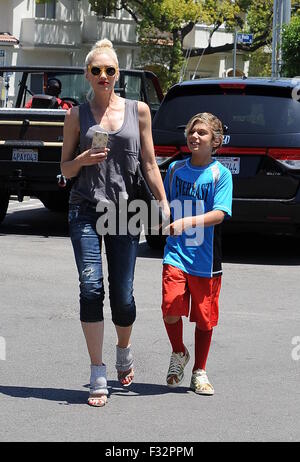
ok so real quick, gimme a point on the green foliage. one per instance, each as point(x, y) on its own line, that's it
point(165, 23)
point(260, 63)
point(103, 7)
point(259, 18)
point(291, 48)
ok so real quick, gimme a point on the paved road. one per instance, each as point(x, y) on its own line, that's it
point(45, 371)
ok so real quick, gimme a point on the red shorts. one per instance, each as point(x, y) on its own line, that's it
point(178, 288)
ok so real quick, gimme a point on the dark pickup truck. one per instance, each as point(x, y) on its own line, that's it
point(31, 138)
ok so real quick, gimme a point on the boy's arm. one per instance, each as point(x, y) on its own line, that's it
point(221, 207)
point(215, 217)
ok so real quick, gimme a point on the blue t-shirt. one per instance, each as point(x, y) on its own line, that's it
point(194, 191)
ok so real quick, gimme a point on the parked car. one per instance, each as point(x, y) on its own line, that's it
point(261, 146)
point(31, 137)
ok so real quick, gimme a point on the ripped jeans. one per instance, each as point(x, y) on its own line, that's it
point(121, 252)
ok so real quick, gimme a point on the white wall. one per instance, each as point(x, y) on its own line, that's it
point(123, 35)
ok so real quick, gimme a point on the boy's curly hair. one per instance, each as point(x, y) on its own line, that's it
point(211, 121)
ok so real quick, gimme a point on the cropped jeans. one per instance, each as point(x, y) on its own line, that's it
point(121, 252)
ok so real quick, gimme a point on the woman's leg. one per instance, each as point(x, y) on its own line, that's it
point(87, 249)
point(121, 254)
point(93, 332)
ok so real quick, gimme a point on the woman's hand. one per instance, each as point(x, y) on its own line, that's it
point(92, 156)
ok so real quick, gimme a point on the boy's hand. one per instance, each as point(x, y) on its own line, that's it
point(178, 226)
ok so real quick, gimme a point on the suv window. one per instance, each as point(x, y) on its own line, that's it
point(154, 101)
point(242, 113)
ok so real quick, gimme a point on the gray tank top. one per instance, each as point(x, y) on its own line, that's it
point(115, 175)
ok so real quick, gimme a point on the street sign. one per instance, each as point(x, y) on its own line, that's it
point(247, 39)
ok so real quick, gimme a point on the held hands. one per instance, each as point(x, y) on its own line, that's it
point(93, 156)
point(178, 226)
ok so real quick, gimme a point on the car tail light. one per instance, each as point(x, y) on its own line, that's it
point(289, 157)
point(163, 153)
point(227, 86)
point(242, 151)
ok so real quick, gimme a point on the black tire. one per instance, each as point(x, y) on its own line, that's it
point(56, 201)
point(4, 200)
point(156, 242)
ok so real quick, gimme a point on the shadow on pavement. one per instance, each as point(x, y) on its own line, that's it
point(63, 396)
point(142, 389)
point(260, 249)
point(36, 222)
point(51, 394)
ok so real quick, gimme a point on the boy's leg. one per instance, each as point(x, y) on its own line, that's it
point(175, 304)
point(205, 312)
point(174, 328)
point(202, 345)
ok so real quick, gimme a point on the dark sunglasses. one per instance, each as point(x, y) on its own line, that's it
point(109, 70)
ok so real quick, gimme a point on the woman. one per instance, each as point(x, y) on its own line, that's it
point(102, 175)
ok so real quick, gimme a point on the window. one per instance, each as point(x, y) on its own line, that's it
point(241, 113)
point(152, 95)
point(132, 85)
point(46, 10)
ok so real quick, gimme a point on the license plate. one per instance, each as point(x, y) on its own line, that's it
point(232, 163)
point(25, 155)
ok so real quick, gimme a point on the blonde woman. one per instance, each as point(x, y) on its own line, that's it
point(103, 175)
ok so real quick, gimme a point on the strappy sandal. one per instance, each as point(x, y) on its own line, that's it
point(124, 366)
point(98, 386)
point(97, 400)
point(126, 377)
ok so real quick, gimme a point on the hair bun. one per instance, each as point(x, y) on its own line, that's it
point(104, 43)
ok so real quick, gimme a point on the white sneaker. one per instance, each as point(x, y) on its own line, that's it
point(175, 374)
point(200, 383)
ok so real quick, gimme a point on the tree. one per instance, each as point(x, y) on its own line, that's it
point(291, 48)
point(163, 24)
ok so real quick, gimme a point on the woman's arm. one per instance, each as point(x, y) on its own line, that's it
point(149, 164)
point(71, 165)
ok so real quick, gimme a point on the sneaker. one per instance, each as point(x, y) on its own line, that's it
point(200, 383)
point(178, 362)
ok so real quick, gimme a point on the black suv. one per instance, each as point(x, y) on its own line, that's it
point(261, 146)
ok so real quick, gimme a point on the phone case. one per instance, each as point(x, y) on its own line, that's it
point(100, 140)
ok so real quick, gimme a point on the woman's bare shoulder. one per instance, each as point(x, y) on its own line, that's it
point(72, 117)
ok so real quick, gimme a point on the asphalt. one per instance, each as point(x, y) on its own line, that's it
point(253, 362)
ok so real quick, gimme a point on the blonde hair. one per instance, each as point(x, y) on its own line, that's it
point(211, 121)
point(102, 46)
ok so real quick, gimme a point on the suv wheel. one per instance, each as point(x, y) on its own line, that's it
point(4, 200)
point(155, 242)
point(56, 201)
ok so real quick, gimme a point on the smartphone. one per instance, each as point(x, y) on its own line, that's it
point(100, 140)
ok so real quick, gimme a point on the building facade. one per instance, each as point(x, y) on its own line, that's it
point(61, 32)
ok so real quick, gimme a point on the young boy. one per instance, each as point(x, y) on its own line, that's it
point(199, 190)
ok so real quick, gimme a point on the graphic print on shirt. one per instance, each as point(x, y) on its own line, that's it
point(186, 188)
